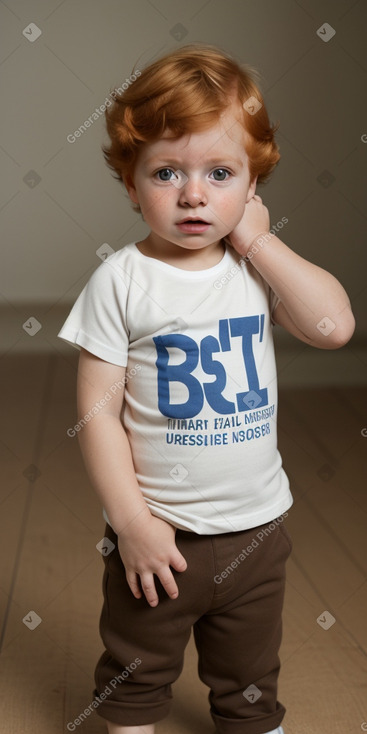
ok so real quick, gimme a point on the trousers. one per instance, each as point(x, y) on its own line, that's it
point(231, 596)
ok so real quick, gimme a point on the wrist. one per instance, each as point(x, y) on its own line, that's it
point(135, 524)
point(258, 242)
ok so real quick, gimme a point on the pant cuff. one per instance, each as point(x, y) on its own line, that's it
point(133, 714)
point(257, 725)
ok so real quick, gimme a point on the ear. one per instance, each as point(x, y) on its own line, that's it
point(252, 189)
point(131, 190)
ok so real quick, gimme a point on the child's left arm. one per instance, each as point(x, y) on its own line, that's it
point(313, 304)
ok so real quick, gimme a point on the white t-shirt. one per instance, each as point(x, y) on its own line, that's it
point(200, 402)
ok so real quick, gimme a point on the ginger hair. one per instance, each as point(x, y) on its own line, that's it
point(186, 91)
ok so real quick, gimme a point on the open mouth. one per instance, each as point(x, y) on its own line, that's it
point(193, 226)
point(193, 221)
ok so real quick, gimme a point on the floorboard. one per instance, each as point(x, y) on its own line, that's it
point(51, 521)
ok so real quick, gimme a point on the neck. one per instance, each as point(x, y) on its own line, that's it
point(180, 257)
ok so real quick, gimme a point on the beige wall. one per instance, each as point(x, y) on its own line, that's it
point(59, 203)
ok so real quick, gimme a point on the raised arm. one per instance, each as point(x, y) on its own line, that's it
point(146, 543)
point(313, 306)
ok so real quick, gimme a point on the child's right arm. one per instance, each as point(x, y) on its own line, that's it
point(146, 543)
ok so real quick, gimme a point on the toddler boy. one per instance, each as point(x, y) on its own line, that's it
point(177, 397)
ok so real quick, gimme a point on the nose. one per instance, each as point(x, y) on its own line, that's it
point(193, 192)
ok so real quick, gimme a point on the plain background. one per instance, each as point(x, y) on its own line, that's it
point(60, 203)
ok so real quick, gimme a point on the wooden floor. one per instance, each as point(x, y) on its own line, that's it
point(51, 521)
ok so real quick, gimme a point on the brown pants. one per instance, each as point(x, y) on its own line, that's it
point(232, 595)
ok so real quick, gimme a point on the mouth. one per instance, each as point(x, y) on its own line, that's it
point(193, 220)
point(193, 226)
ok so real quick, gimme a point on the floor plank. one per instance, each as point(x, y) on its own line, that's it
point(50, 523)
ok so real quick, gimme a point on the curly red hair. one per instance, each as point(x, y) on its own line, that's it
point(184, 92)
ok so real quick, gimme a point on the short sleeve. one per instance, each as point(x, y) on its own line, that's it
point(97, 321)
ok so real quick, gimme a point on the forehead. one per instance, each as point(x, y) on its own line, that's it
point(225, 137)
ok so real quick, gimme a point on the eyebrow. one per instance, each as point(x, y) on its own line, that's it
point(174, 161)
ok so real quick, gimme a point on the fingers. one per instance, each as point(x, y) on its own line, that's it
point(165, 576)
point(132, 580)
point(178, 562)
point(169, 584)
point(148, 586)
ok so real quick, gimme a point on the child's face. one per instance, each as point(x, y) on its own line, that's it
point(212, 183)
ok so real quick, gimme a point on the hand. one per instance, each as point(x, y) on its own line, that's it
point(255, 221)
point(148, 547)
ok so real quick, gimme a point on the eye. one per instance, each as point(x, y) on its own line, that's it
point(222, 173)
point(166, 174)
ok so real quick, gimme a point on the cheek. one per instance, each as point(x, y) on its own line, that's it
point(152, 204)
point(232, 207)
point(160, 197)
